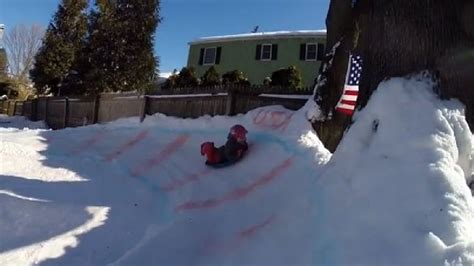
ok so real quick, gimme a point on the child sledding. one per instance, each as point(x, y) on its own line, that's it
point(231, 152)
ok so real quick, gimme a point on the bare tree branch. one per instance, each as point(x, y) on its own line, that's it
point(22, 42)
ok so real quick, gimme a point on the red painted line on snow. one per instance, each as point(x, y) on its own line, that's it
point(239, 192)
point(283, 123)
point(162, 155)
point(127, 146)
point(272, 119)
point(239, 237)
point(257, 120)
point(89, 142)
point(184, 181)
point(252, 230)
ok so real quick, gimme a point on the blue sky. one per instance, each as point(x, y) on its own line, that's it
point(186, 20)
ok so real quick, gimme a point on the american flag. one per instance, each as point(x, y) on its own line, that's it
point(347, 103)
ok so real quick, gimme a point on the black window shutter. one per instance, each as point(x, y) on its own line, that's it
point(303, 51)
point(320, 51)
point(218, 55)
point(258, 52)
point(274, 51)
point(201, 57)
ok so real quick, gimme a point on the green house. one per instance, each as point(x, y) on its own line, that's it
point(257, 55)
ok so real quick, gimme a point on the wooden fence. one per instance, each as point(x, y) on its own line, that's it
point(254, 89)
point(62, 112)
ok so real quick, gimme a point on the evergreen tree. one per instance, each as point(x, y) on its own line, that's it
point(102, 54)
point(3, 62)
point(139, 22)
point(5, 81)
point(63, 41)
point(120, 49)
point(210, 77)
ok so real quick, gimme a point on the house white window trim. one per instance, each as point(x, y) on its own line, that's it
point(261, 52)
point(315, 54)
point(204, 56)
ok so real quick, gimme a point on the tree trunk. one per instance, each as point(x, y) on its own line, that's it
point(398, 38)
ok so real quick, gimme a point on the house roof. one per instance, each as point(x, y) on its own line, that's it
point(261, 35)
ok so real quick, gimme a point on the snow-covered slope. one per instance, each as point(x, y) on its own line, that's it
point(127, 193)
point(396, 186)
point(140, 194)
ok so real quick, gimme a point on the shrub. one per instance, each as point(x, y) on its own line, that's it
point(267, 81)
point(235, 77)
point(171, 81)
point(287, 77)
point(187, 78)
point(211, 77)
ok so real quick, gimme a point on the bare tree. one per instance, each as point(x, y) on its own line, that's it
point(22, 42)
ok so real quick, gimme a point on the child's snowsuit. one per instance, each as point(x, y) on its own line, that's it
point(232, 150)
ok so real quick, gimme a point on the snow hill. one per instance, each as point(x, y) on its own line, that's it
point(130, 193)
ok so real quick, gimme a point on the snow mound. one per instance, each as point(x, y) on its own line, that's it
point(131, 193)
point(14, 123)
point(394, 192)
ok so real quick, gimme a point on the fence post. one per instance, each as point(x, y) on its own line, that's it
point(231, 99)
point(46, 110)
point(95, 118)
point(66, 112)
point(8, 108)
point(144, 108)
point(23, 108)
point(14, 108)
point(34, 109)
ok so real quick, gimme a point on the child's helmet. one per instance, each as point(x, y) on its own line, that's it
point(238, 132)
point(207, 148)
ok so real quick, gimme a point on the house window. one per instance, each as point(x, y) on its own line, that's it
point(210, 56)
point(311, 51)
point(266, 52)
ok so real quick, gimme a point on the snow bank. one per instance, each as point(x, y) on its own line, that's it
point(394, 192)
point(19, 122)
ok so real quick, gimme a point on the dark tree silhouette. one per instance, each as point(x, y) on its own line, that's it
point(64, 40)
point(396, 38)
point(120, 55)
